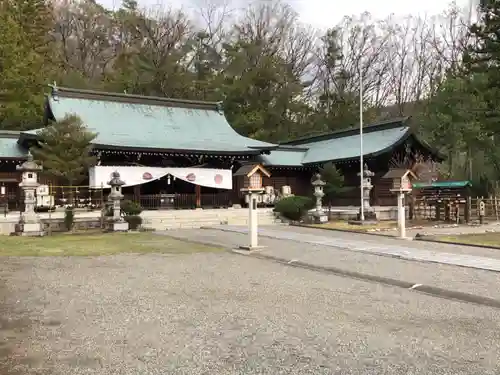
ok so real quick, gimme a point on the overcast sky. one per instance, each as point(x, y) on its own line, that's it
point(327, 13)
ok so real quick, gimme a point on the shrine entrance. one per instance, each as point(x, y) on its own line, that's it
point(170, 188)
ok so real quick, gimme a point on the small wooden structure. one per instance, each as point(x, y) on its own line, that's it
point(402, 179)
point(252, 175)
point(452, 197)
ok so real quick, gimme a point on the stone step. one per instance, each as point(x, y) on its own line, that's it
point(161, 220)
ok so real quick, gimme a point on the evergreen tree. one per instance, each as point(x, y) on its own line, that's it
point(334, 181)
point(64, 150)
point(483, 59)
point(27, 61)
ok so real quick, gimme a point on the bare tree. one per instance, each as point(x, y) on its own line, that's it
point(214, 18)
point(154, 54)
point(355, 49)
point(84, 33)
point(451, 36)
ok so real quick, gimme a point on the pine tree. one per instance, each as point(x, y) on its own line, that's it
point(334, 181)
point(64, 150)
point(482, 61)
point(27, 61)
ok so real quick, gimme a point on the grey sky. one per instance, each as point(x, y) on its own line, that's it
point(326, 13)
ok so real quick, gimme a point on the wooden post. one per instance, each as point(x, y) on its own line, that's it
point(197, 191)
point(447, 209)
point(438, 211)
point(411, 207)
point(137, 193)
point(50, 210)
point(468, 206)
point(495, 202)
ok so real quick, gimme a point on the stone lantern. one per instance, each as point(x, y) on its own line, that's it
point(368, 211)
point(117, 224)
point(318, 184)
point(29, 224)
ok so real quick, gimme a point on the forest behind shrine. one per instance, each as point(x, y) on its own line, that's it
point(277, 77)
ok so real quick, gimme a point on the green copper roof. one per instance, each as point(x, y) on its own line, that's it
point(348, 147)
point(9, 147)
point(441, 184)
point(341, 145)
point(130, 121)
point(284, 158)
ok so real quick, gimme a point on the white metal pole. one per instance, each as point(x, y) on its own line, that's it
point(252, 220)
point(361, 161)
point(402, 215)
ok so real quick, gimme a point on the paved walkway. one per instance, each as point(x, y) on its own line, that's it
point(368, 266)
point(399, 249)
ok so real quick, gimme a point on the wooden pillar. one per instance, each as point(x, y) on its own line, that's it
point(438, 211)
point(468, 206)
point(137, 193)
point(447, 210)
point(197, 191)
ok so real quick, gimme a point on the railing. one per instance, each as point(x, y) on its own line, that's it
point(181, 201)
point(77, 196)
point(455, 210)
point(93, 199)
point(458, 210)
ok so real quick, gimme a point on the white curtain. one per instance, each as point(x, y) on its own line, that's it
point(99, 176)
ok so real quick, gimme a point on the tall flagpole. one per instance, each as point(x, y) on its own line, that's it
point(361, 161)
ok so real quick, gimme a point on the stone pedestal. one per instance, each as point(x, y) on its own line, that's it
point(319, 218)
point(31, 229)
point(118, 226)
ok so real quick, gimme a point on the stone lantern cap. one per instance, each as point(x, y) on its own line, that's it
point(29, 165)
point(317, 181)
point(115, 179)
point(367, 172)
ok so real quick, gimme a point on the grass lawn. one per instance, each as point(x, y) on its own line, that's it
point(97, 244)
point(485, 239)
point(381, 225)
point(344, 225)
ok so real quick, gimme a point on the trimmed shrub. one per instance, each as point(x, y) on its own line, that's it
point(294, 207)
point(130, 208)
point(69, 218)
point(134, 221)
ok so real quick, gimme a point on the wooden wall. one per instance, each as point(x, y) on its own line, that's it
point(299, 181)
point(380, 194)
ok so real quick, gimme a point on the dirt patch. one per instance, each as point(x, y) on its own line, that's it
point(15, 330)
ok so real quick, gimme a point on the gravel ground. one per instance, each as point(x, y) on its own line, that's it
point(228, 314)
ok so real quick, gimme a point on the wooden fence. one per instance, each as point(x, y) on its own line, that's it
point(456, 211)
point(94, 199)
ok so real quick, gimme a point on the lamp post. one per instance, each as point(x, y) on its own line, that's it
point(361, 161)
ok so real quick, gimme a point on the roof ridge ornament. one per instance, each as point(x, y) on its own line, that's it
point(55, 90)
point(220, 107)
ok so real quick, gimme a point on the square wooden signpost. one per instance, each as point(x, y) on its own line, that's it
point(252, 178)
point(401, 184)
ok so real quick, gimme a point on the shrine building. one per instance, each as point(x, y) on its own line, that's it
point(183, 154)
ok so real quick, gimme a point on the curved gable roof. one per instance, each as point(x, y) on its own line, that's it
point(136, 122)
point(341, 145)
